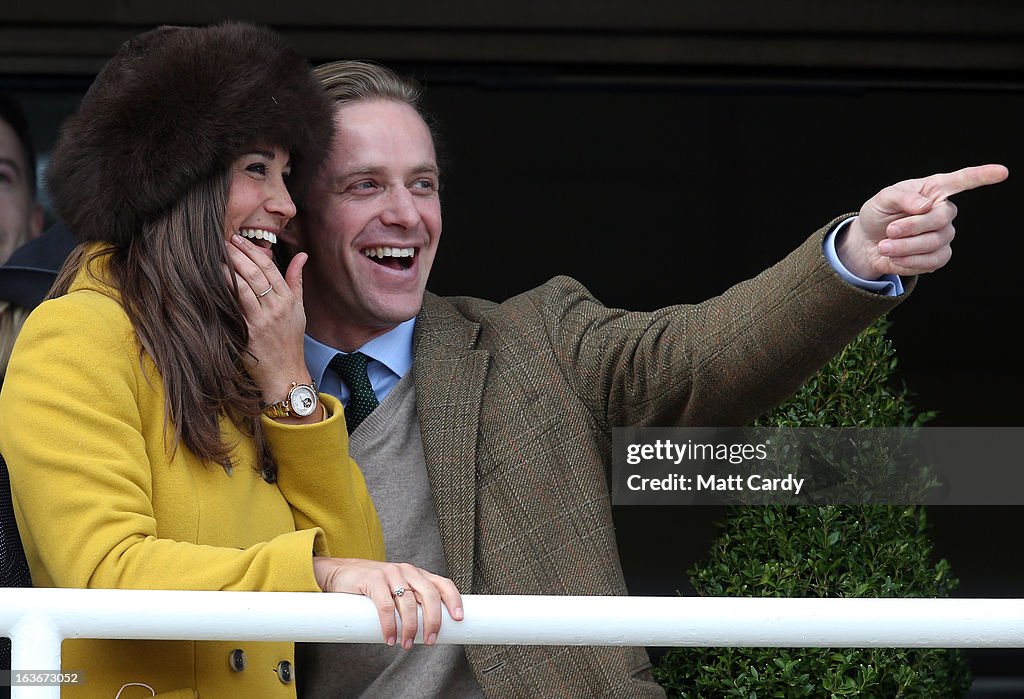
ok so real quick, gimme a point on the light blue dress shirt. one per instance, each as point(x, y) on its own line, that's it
point(390, 359)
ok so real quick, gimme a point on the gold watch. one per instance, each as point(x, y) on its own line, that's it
point(301, 401)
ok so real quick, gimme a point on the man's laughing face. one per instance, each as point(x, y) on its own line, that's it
point(372, 224)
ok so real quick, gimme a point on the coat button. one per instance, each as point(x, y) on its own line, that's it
point(237, 659)
point(284, 671)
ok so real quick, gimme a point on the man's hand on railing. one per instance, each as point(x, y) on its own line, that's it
point(392, 586)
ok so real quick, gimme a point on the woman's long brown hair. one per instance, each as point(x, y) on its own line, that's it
point(173, 286)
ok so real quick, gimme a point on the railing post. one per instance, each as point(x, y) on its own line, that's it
point(35, 646)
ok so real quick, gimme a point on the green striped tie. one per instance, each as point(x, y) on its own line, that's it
point(362, 400)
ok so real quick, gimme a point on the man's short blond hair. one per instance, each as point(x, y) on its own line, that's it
point(353, 81)
point(348, 82)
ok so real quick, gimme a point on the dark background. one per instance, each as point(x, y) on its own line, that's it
point(661, 153)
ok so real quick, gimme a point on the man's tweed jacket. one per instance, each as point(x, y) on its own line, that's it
point(516, 404)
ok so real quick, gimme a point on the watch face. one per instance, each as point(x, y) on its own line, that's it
point(303, 400)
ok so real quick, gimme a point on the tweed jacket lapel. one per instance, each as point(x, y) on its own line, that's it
point(449, 376)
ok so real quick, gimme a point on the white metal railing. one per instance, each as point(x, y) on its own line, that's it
point(37, 620)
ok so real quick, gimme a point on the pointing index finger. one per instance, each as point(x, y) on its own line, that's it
point(944, 185)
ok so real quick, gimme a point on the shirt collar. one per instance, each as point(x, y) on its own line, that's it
point(393, 349)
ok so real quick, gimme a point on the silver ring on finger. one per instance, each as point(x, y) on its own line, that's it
point(264, 293)
point(398, 591)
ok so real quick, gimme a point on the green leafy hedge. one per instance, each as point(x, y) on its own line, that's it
point(870, 551)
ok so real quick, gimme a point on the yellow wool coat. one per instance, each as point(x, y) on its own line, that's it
point(103, 500)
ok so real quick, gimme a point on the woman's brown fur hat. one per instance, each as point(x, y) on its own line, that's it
point(175, 106)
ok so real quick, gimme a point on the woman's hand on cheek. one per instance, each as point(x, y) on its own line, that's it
point(272, 306)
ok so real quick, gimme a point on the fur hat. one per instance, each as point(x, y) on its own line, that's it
point(174, 106)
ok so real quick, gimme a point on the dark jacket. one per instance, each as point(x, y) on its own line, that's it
point(27, 276)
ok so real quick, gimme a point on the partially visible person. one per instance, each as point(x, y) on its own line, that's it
point(21, 215)
point(489, 429)
point(25, 279)
point(159, 423)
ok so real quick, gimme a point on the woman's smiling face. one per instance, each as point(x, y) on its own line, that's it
point(259, 206)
